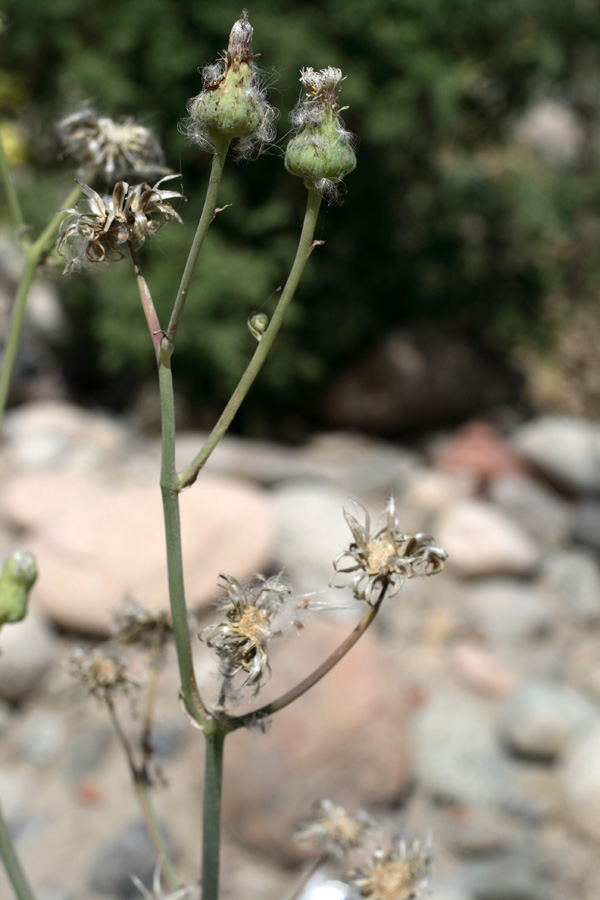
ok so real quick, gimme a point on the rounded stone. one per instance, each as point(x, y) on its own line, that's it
point(580, 779)
point(25, 653)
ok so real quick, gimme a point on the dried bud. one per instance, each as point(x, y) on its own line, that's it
point(19, 574)
point(322, 152)
point(232, 104)
point(257, 324)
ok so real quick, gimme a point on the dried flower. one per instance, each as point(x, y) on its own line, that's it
point(19, 574)
point(232, 103)
point(131, 214)
point(241, 640)
point(120, 149)
point(334, 829)
point(399, 874)
point(385, 558)
point(103, 674)
point(135, 625)
point(322, 152)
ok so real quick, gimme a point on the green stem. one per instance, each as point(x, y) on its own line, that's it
point(207, 216)
point(13, 868)
point(211, 813)
point(34, 253)
point(12, 197)
point(170, 499)
point(305, 247)
point(147, 304)
point(142, 789)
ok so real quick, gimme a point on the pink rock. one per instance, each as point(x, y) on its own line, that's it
point(98, 542)
point(344, 739)
point(483, 670)
point(478, 448)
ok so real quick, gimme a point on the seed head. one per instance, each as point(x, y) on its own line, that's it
point(322, 152)
point(118, 149)
point(399, 874)
point(241, 639)
point(131, 214)
point(384, 558)
point(232, 103)
point(333, 829)
point(135, 625)
point(19, 574)
point(104, 674)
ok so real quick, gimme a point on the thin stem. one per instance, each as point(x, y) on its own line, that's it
point(307, 875)
point(12, 197)
point(142, 789)
point(44, 242)
point(147, 304)
point(315, 676)
point(12, 866)
point(207, 216)
point(170, 499)
point(305, 247)
point(211, 813)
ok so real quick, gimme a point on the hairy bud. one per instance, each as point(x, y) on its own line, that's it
point(19, 574)
point(258, 323)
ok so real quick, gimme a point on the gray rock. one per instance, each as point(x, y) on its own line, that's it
point(566, 450)
point(130, 853)
point(507, 610)
point(580, 779)
point(482, 540)
point(44, 737)
point(518, 875)
point(87, 751)
point(572, 579)
point(542, 717)
point(543, 513)
point(25, 653)
point(586, 525)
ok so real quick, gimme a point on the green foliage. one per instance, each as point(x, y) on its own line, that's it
point(445, 215)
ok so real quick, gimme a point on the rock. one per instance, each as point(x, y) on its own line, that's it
point(345, 739)
point(482, 669)
point(586, 525)
point(546, 516)
point(565, 450)
point(87, 751)
point(481, 540)
point(542, 717)
point(26, 650)
point(395, 387)
point(479, 449)
point(44, 737)
point(519, 875)
point(505, 610)
point(572, 580)
point(98, 541)
point(580, 779)
point(456, 756)
point(130, 853)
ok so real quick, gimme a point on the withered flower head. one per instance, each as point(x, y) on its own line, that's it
point(131, 214)
point(135, 625)
point(384, 558)
point(118, 149)
point(103, 674)
point(241, 639)
point(333, 829)
point(232, 103)
point(399, 874)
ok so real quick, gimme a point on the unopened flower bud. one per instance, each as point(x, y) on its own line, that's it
point(232, 104)
point(257, 324)
point(19, 574)
point(322, 152)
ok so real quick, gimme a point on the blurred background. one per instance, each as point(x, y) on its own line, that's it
point(474, 206)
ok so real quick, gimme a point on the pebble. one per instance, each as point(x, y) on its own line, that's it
point(478, 448)
point(518, 875)
point(87, 751)
point(544, 514)
point(129, 853)
point(26, 650)
point(580, 779)
point(542, 717)
point(505, 610)
point(586, 525)
point(572, 579)
point(565, 450)
point(44, 737)
point(481, 540)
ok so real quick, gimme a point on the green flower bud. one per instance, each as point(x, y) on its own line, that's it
point(322, 152)
point(257, 324)
point(18, 577)
point(232, 103)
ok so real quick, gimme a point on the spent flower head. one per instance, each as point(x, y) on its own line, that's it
point(232, 103)
point(103, 674)
point(135, 625)
point(130, 215)
point(381, 559)
point(241, 639)
point(322, 151)
point(333, 830)
point(398, 874)
point(117, 149)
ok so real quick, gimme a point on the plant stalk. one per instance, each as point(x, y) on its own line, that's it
point(12, 866)
point(305, 247)
point(211, 812)
point(150, 313)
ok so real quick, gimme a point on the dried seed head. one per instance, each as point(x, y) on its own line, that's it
point(135, 625)
point(118, 149)
point(241, 639)
point(383, 559)
point(232, 103)
point(322, 152)
point(333, 829)
point(19, 574)
point(104, 674)
point(131, 214)
point(399, 874)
